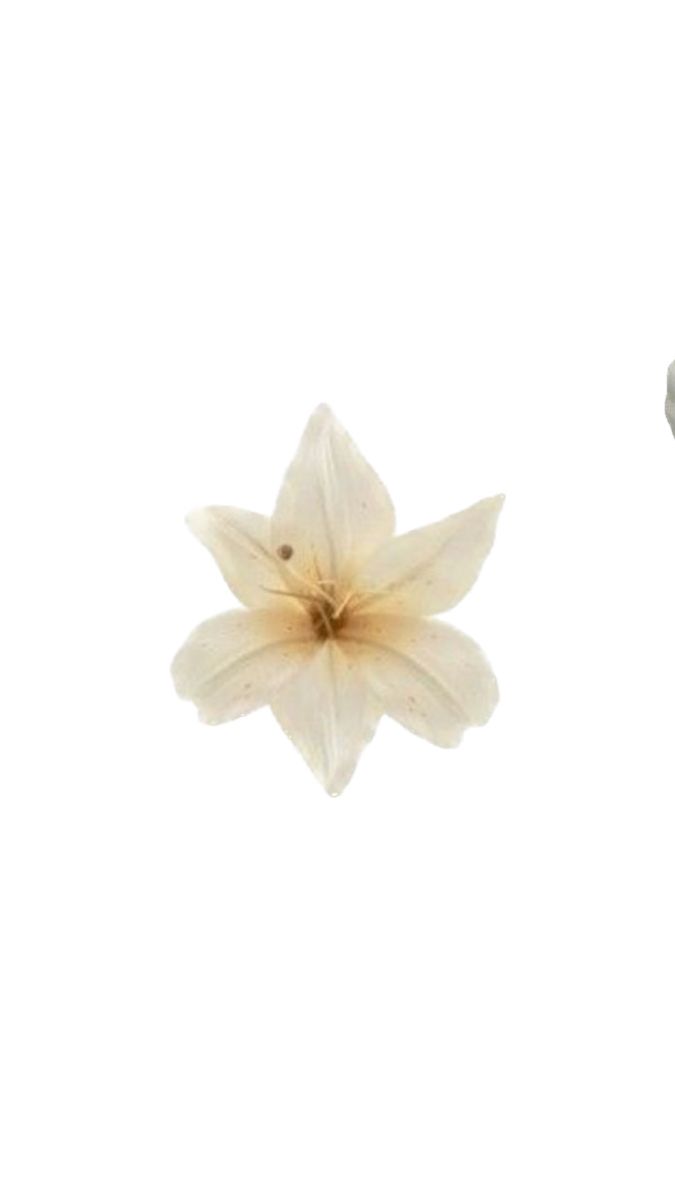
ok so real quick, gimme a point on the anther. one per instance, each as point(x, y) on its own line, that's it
point(285, 551)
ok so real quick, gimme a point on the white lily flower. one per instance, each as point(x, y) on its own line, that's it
point(670, 396)
point(338, 628)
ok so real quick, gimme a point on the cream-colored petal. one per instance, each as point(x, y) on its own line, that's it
point(332, 508)
point(430, 569)
point(427, 675)
point(237, 661)
point(327, 710)
point(240, 542)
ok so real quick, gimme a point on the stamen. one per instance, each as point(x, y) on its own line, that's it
point(314, 586)
point(342, 605)
point(326, 622)
point(295, 595)
point(365, 596)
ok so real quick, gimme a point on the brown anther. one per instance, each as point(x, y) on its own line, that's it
point(326, 622)
point(285, 552)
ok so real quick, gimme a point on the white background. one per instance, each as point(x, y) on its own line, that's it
point(455, 224)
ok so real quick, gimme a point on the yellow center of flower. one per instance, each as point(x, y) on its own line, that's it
point(328, 618)
point(326, 604)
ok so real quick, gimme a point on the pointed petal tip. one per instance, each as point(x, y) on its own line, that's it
point(196, 520)
point(322, 416)
point(497, 501)
point(493, 506)
point(319, 424)
point(335, 786)
point(340, 777)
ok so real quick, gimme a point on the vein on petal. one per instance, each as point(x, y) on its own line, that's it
point(249, 656)
point(418, 669)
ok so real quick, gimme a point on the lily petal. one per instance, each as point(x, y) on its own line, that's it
point(670, 397)
point(240, 542)
point(427, 675)
point(430, 569)
point(332, 509)
point(328, 712)
point(236, 662)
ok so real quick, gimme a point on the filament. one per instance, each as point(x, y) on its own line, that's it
point(314, 586)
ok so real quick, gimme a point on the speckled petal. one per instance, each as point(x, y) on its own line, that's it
point(427, 675)
point(432, 568)
point(329, 713)
point(332, 509)
point(240, 542)
point(236, 662)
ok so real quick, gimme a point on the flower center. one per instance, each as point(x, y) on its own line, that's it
point(325, 601)
point(327, 618)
